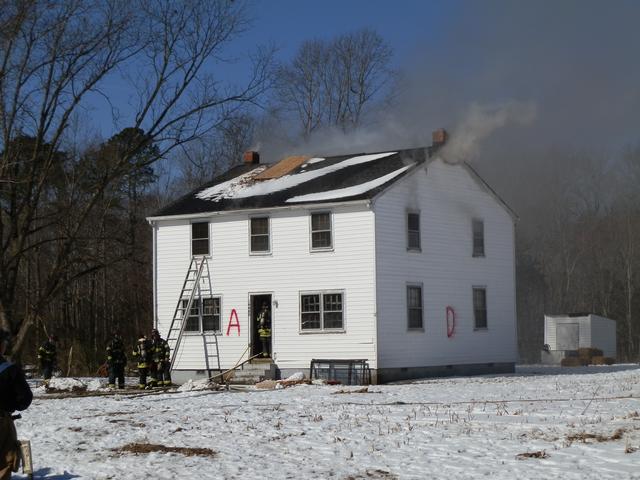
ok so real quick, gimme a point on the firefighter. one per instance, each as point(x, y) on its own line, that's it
point(265, 329)
point(15, 394)
point(116, 360)
point(47, 356)
point(161, 358)
point(142, 353)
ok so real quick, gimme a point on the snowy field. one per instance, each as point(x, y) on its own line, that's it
point(575, 423)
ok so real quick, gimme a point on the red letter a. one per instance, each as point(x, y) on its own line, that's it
point(236, 324)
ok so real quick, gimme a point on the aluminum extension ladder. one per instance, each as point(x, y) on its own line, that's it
point(196, 286)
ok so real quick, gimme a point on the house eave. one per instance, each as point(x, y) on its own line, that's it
point(298, 206)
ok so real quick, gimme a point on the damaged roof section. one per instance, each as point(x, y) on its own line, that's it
point(299, 180)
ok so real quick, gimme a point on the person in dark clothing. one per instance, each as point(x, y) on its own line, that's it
point(116, 360)
point(142, 353)
point(47, 354)
point(265, 329)
point(161, 359)
point(15, 394)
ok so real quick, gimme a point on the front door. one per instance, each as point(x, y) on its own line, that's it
point(260, 315)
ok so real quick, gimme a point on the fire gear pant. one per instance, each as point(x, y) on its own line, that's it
point(265, 346)
point(164, 373)
point(143, 377)
point(153, 373)
point(47, 370)
point(9, 447)
point(116, 372)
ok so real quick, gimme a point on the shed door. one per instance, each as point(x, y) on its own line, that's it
point(567, 336)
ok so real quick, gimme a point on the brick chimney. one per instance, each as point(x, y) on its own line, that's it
point(439, 137)
point(251, 157)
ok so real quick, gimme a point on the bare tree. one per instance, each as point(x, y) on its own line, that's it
point(52, 55)
point(332, 83)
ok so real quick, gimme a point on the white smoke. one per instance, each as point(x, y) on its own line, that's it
point(479, 122)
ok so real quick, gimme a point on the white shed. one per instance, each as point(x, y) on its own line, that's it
point(580, 330)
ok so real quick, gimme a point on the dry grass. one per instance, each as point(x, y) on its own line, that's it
point(373, 474)
point(584, 436)
point(538, 454)
point(142, 448)
point(359, 390)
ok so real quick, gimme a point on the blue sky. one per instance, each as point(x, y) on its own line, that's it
point(575, 61)
point(285, 24)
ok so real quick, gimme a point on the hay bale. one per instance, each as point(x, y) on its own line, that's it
point(609, 360)
point(570, 362)
point(589, 352)
point(597, 360)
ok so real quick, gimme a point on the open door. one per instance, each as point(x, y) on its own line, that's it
point(260, 311)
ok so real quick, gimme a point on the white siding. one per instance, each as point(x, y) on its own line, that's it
point(448, 198)
point(603, 335)
point(289, 269)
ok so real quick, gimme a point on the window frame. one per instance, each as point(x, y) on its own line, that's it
point(198, 302)
point(268, 234)
point(321, 294)
point(408, 307)
point(311, 231)
point(482, 288)
point(411, 248)
point(208, 238)
point(478, 250)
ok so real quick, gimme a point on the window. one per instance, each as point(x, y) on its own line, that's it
point(204, 315)
point(413, 231)
point(321, 231)
point(414, 307)
point(478, 238)
point(200, 238)
point(321, 311)
point(480, 307)
point(260, 235)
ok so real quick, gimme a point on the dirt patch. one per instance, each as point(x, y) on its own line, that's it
point(538, 454)
point(359, 390)
point(584, 436)
point(142, 448)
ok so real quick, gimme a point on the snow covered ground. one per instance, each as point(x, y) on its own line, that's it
point(585, 422)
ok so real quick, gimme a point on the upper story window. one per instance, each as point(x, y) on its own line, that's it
point(480, 307)
point(260, 235)
point(321, 237)
point(204, 315)
point(478, 238)
point(413, 231)
point(320, 311)
point(414, 307)
point(200, 238)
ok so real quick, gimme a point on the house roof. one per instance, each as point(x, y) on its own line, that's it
point(302, 180)
point(316, 180)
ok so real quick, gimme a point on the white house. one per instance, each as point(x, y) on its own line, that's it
point(572, 331)
point(397, 258)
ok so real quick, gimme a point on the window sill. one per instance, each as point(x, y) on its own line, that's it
point(478, 256)
point(321, 250)
point(312, 332)
point(414, 250)
point(480, 329)
point(260, 254)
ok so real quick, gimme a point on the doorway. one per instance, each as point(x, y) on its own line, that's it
point(256, 303)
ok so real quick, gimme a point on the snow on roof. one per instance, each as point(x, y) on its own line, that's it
point(244, 186)
point(347, 192)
